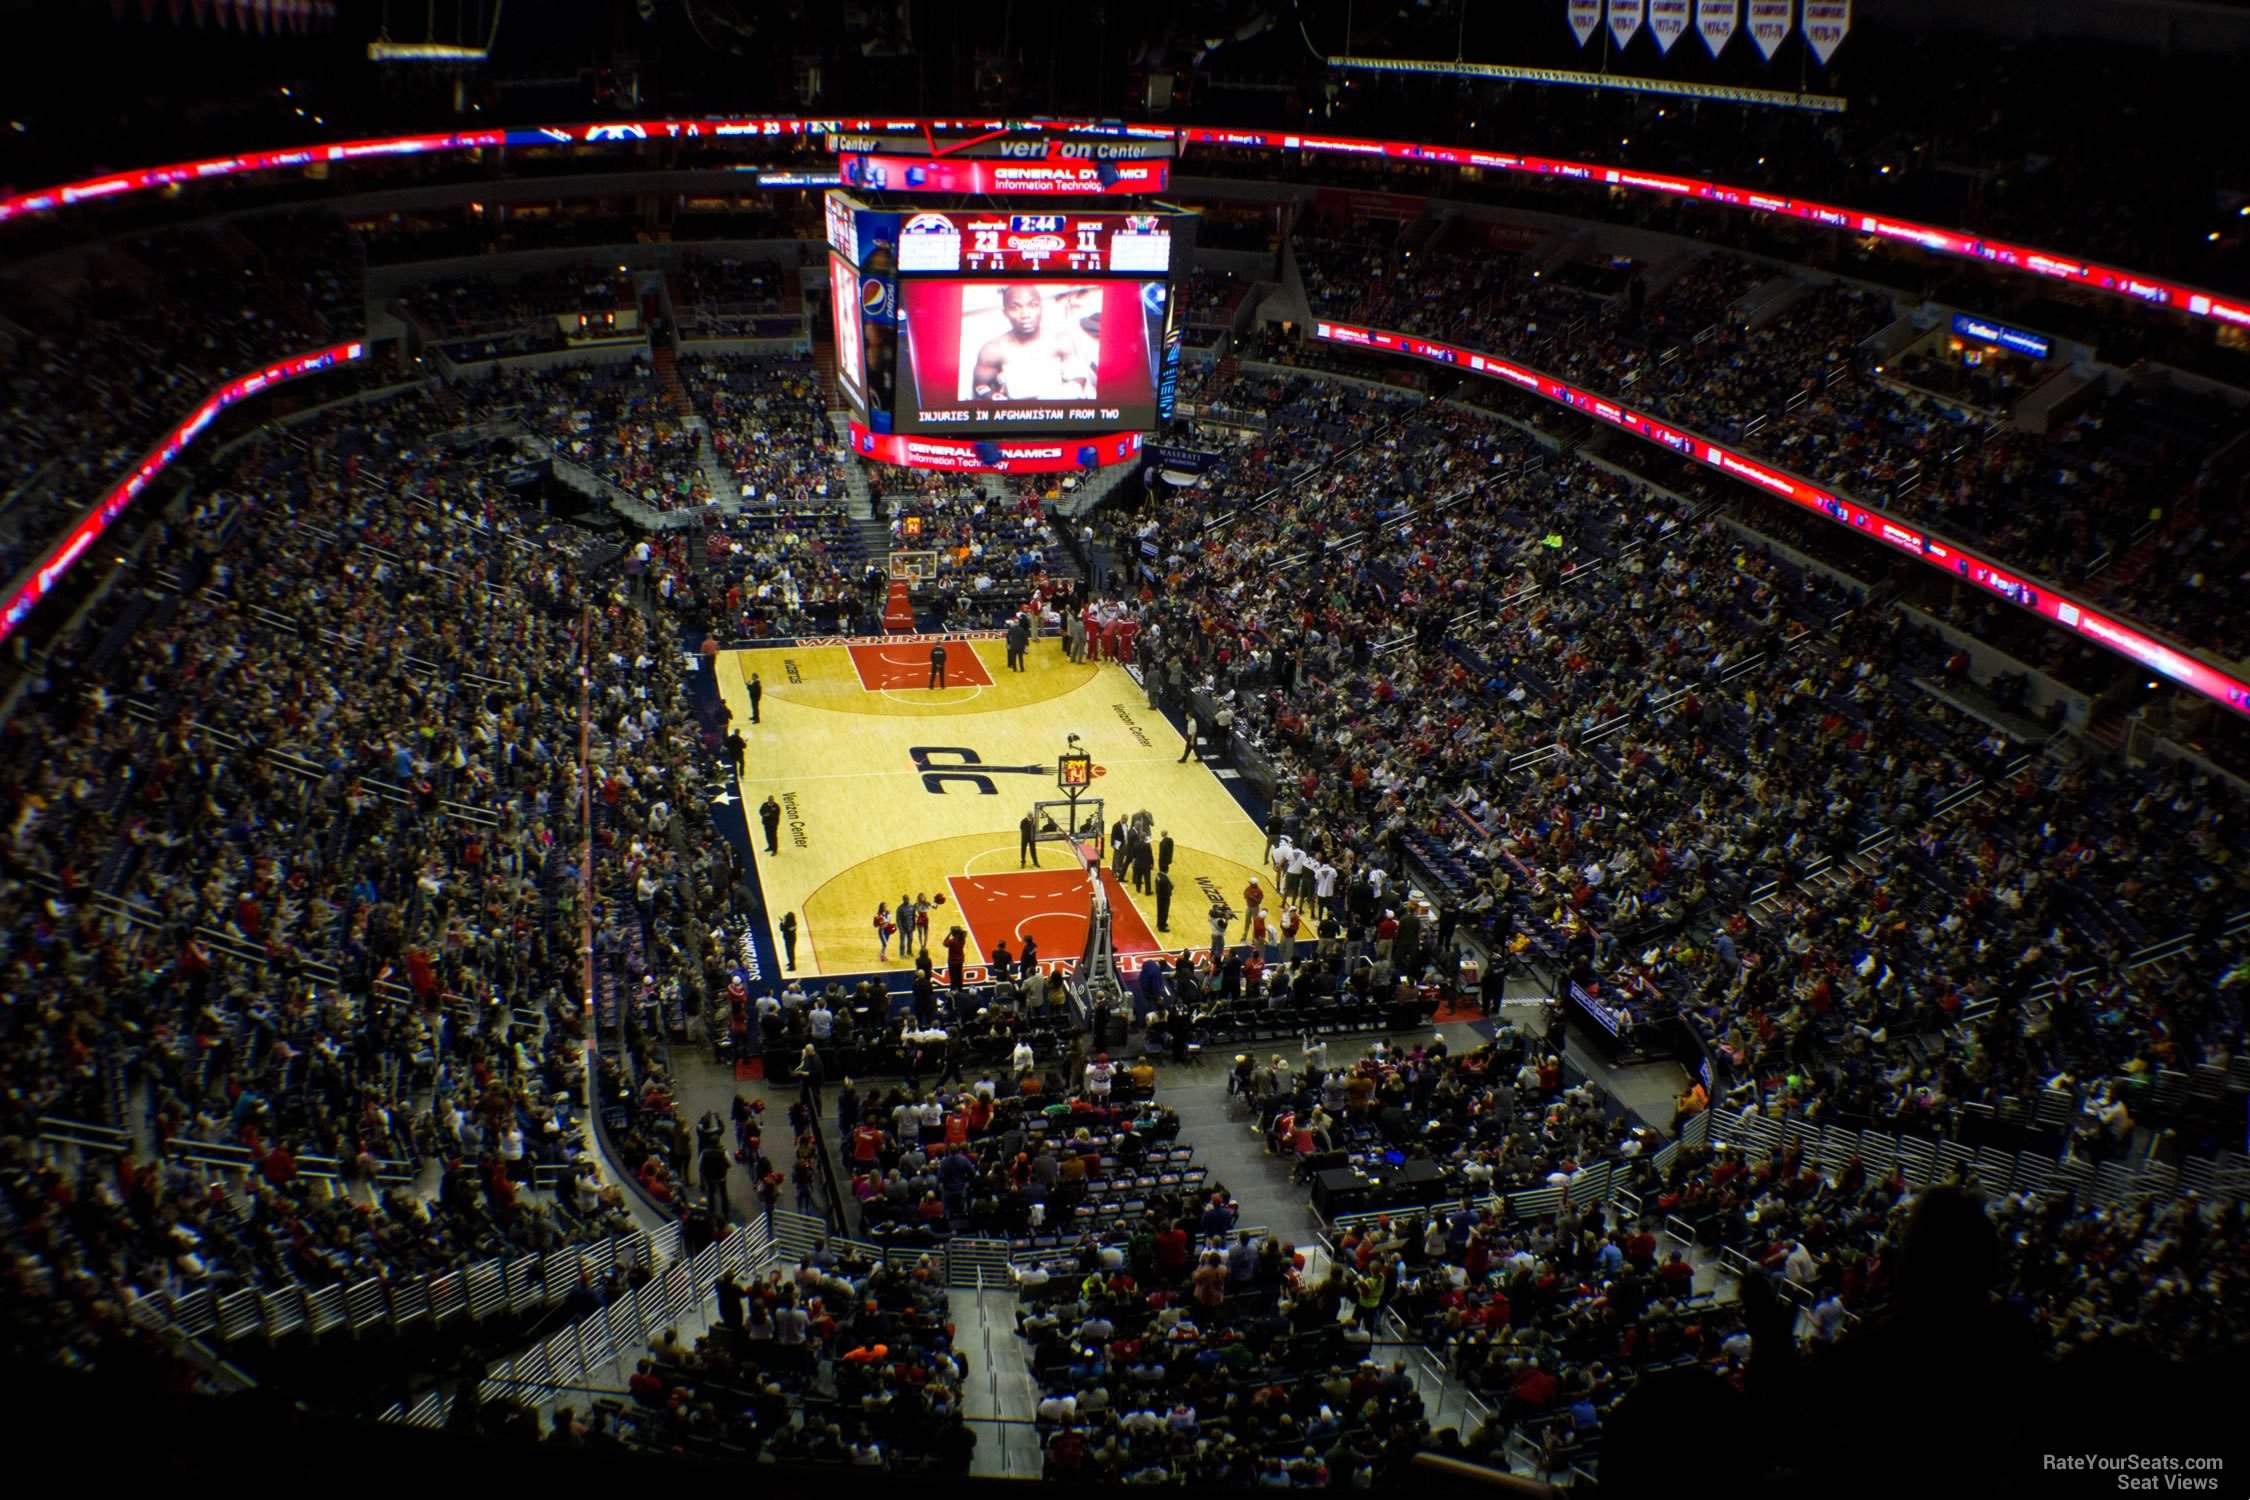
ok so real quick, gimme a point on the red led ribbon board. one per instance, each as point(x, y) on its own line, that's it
point(1017, 179)
point(996, 455)
point(1938, 552)
point(2026, 259)
point(40, 579)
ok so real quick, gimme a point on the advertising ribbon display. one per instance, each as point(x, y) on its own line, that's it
point(910, 174)
point(40, 579)
point(996, 455)
point(1979, 572)
point(1715, 19)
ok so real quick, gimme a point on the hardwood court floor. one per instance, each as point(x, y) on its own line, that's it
point(889, 787)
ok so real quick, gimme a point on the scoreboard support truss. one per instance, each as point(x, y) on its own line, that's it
point(1076, 823)
point(1095, 986)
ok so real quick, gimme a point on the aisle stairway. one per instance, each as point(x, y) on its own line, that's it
point(874, 541)
point(824, 365)
point(1092, 489)
point(1001, 1398)
point(859, 501)
point(2106, 729)
point(725, 489)
point(666, 367)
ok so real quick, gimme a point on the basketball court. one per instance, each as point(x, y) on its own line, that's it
point(890, 787)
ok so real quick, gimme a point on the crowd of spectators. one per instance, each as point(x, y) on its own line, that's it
point(1555, 1322)
point(793, 571)
point(1583, 711)
point(613, 419)
point(769, 427)
point(1492, 1121)
point(1023, 1147)
point(2064, 503)
point(323, 922)
point(1364, 273)
point(1001, 548)
point(487, 316)
point(724, 282)
point(1345, 266)
point(403, 238)
point(1991, 384)
point(1637, 854)
point(833, 1361)
point(1226, 1365)
point(330, 920)
point(665, 881)
point(1548, 1319)
point(1208, 298)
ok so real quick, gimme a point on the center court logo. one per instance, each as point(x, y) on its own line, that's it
point(943, 765)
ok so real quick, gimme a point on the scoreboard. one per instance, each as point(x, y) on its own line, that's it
point(1008, 338)
point(1002, 244)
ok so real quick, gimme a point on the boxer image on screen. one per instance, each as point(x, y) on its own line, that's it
point(1037, 359)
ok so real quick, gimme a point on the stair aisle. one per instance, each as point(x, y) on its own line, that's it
point(1001, 1397)
point(724, 489)
point(1092, 489)
point(874, 541)
point(859, 499)
point(666, 367)
point(824, 366)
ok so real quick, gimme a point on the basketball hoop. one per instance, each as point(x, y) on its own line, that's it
point(914, 567)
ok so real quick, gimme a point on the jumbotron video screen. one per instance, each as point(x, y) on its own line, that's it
point(1025, 355)
point(972, 323)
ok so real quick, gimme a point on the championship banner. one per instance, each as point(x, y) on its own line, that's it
point(1769, 24)
point(1826, 24)
point(1667, 22)
point(1585, 15)
point(1625, 19)
point(1716, 20)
